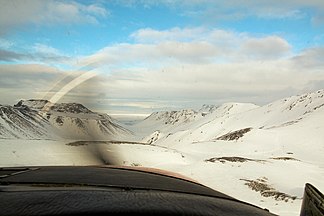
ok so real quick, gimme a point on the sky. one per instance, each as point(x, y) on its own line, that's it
point(135, 57)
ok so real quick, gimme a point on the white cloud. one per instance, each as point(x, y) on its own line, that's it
point(161, 53)
point(7, 55)
point(48, 54)
point(176, 70)
point(237, 9)
point(137, 104)
point(25, 80)
point(16, 13)
point(212, 66)
point(28, 69)
point(43, 48)
point(36, 53)
point(148, 35)
point(189, 45)
point(267, 47)
point(5, 44)
point(96, 9)
point(43, 81)
point(257, 82)
point(312, 58)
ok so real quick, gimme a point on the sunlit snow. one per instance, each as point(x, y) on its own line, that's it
point(261, 155)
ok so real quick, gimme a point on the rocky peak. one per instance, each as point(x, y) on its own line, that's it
point(206, 108)
point(36, 104)
point(39, 104)
point(172, 117)
point(70, 108)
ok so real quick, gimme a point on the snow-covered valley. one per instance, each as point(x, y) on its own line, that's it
point(261, 155)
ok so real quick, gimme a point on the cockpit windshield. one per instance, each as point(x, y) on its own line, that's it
point(227, 93)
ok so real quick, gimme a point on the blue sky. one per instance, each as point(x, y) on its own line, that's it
point(153, 55)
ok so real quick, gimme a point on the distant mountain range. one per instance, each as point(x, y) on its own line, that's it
point(41, 119)
point(259, 154)
point(212, 122)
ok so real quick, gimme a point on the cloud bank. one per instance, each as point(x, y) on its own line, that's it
point(160, 68)
point(17, 13)
point(191, 66)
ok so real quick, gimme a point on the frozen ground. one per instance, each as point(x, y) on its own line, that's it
point(261, 155)
point(229, 175)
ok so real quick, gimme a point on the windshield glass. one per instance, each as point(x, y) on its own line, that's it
point(227, 93)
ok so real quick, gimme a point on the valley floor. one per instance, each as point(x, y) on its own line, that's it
point(267, 179)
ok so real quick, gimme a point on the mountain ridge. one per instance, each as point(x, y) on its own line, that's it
point(231, 117)
point(41, 119)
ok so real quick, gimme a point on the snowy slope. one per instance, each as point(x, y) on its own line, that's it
point(233, 117)
point(178, 122)
point(23, 122)
point(262, 155)
point(170, 119)
point(41, 119)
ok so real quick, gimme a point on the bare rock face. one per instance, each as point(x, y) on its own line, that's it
point(235, 135)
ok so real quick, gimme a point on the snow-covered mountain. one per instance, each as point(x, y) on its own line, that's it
point(262, 155)
point(163, 124)
point(45, 105)
point(207, 108)
point(205, 126)
point(41, 119)
point(174, 117)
